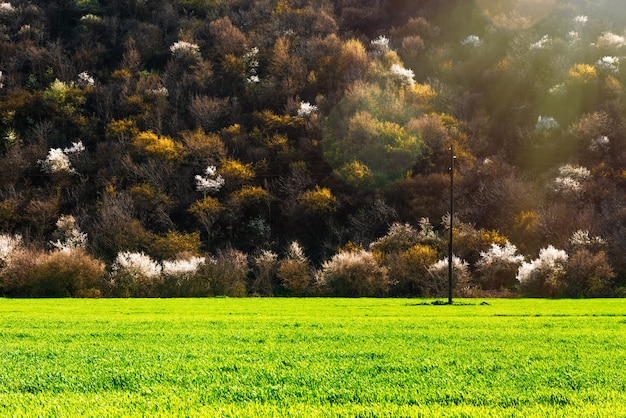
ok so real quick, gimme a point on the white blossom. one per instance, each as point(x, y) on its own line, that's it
point(499, 255)
point(380, 45)
point(608, 64)
point(567, 185)
point(545, 124)
point(295, 252)
point(306, 109)
point(56, 161)
point(91, 18)
point(439, 270)
point(8, 245)
point(210, 182)
point(406, 76)
point(581, 238)
point(183, 268)
point(136, 265)
point(1, 80)
point(76, 148)
point(180, 49)
point(581, 19)
point(574, 171)
point(599, 144)
point(6, 8)
point(558, 90)
point(542, 43)
point(550, 260)
point(472, 40)
point(609, 39)
point(71, 236)
point(85, 79)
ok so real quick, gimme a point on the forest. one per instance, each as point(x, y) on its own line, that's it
point(171, 148)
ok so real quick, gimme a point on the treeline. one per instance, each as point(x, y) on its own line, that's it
point(286, 147)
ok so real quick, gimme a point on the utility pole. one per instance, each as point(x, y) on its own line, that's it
point(450, 261)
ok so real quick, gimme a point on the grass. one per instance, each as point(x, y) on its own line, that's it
point(312, 358)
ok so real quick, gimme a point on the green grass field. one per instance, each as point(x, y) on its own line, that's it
point(312, 358)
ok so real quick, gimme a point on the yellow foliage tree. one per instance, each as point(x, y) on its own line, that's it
point(159, 146)
point(319, 200)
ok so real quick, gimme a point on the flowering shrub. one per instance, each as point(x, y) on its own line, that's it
point(8, 245)
point(6, 8)
point(380, 45)
point(183, 49)
point(611, 40)
point(71, 237)
point(498, 266)
point(405, 76)
point(570, 179)
point(181, 277)
point(400, 237)
point(544, 275)
point(581, 239)
point(600, 144)
point(608, 64)
point(546, 124)
point(135, 274)
point(354, 274)
point(437, 285)
point(58, 160)
point(581, 19)
point(306, 109)
point(472, 40)
point(542, 43)
point(84, 79)
point(210, 182)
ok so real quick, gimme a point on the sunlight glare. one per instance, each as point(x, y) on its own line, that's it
point(516, 14)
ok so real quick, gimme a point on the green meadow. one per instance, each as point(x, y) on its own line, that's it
point(312, 358)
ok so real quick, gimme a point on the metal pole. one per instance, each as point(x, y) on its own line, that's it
point(450, 262)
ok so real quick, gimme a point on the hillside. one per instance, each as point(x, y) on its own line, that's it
point(200, 128)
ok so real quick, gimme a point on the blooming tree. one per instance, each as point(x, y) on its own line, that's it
point(472, 40)
point(404, 75)
point(438, 274)
point(135, 274)
point(58, 161)
point(608, 64)
point(498, 266)
point(8, 245)
point(71, 237)
point(306, 109)
point(543, 275)
point(184, 49)
point(546, 124)
point(211, 182)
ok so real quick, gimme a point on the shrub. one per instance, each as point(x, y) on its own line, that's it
point(227, 273)
point(588, 275)
point(354, 274)
point(437, 286)
point(409, 270)
point(71, 273)
point(181, 277)
point(135, 275)
point(264, 270)
point(498, 266)
point(544, 275)
point(294, 272)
